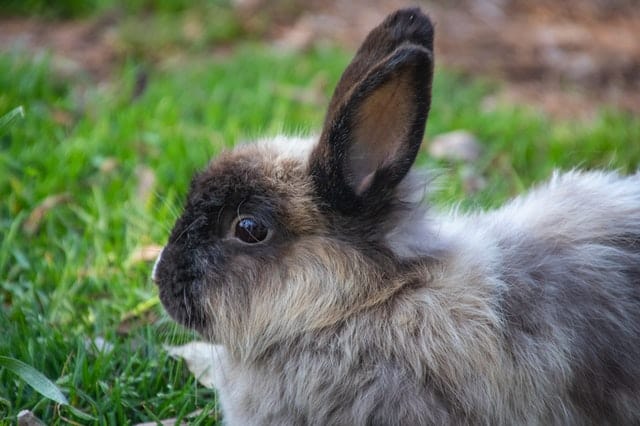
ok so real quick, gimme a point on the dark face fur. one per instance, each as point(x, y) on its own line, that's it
point(270, 241)
point(240, 213)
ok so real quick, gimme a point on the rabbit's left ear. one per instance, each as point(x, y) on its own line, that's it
point(377, 116)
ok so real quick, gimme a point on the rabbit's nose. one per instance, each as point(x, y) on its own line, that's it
point(154, 271)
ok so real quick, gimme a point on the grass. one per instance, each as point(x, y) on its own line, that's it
point(69, 9)
point(75, 207)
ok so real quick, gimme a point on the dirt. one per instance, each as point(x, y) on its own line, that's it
point(568, 59)
point(77, 47)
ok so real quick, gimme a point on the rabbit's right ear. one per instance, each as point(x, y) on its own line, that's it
point(376, 118)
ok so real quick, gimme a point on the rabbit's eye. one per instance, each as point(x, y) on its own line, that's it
point(249, 230)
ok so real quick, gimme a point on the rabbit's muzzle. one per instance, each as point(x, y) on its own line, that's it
point(180, 282)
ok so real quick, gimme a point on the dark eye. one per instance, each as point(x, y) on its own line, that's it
point(250, 231)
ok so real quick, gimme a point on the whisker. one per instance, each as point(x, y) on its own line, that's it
point(191, 225)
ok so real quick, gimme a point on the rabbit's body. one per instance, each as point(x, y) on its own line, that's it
point(524, 315)
point(336, 298)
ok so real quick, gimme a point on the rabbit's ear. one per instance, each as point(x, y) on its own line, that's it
point(377, 115)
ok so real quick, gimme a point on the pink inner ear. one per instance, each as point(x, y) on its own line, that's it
point(365, 183)
point(380, 130)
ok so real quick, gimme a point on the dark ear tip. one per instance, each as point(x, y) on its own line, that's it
point(410, 53)
point(410, 25)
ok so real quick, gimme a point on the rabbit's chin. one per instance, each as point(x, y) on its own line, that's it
point(185, 311)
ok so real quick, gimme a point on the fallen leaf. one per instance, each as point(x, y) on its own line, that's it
point(133, 322)
point(142, 314)
point(192, 28)
point(147, 253)
point(33, 222)
point(108, 165)
point(62, 117)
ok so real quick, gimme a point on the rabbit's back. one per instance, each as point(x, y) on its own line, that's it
point(570, 264)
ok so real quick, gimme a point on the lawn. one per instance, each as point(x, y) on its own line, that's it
point(91, 175)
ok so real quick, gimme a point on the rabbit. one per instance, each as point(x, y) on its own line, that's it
point(335, 296)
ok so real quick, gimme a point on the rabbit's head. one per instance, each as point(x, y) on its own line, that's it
point(285, 236)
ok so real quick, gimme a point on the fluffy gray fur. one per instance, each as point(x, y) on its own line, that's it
point(531, 315)
point(362, 307)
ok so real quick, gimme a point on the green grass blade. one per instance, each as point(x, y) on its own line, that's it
point(6, 119)
point(80, 414)
point(34, 378)
point(8, 239)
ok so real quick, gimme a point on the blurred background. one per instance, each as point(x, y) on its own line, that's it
point(108, 107)
point(564, 57)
